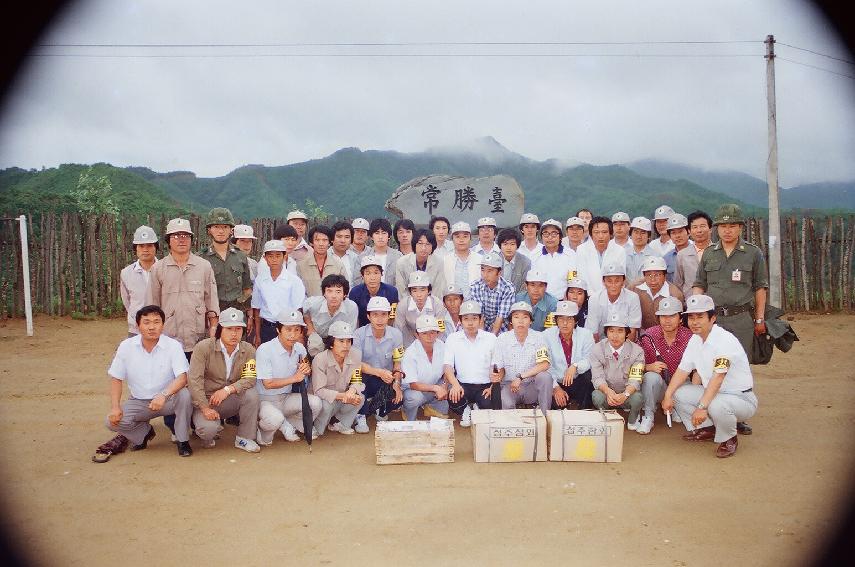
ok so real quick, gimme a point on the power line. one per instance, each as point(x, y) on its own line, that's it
point(815, 53)
point(391, 44)
point(815, 67)
point(388, 55)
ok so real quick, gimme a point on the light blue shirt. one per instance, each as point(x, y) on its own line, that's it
point(461, 276)
point(272, 362)
point(583, 342)
point(377, 353)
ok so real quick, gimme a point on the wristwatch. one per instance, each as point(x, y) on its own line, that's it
point(701, 406)
point(758, 321)
point(519, 377)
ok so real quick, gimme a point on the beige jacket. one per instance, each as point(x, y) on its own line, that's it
point(185, 295)
point(606, 370)
point(307, 269)
point(649, 306)
point(208, 370)
point(328, 379)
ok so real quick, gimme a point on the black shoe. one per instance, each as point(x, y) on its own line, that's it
point(233, 420)
point(148, 437)
point(743, 428)
point(184, 449)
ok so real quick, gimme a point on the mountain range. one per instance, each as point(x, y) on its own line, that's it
point(352, 182)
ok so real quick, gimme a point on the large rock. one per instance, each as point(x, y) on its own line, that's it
point(459, 199)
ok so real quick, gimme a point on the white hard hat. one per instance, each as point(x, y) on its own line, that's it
point(232, 317)
point(426, 323)
point(642, 223)
point(418, 279)
point(654, 263)
point(614, 269)
point(663, 212)
point(360, 223)
point(492, 260)
point(470, 308)
point(487, 221)
point(574, 221)
point(620, 216)
point(243, 231)
point(274, 246)
point(529, 218)
point(699, 304)
point(577, 283)
point(536, 276)
point(566, 309)
point(296, 215)
point(378, 303)
point(291, 318)
point(669, 306)
point(520, 306)
point(341, 330)
point(553, 223)
point(452, 289)
point(370, 260)
point(460, 227)
point(178, 225)
point(677, 221)
point(145, 235)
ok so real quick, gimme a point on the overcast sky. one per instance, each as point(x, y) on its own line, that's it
point(211, 114)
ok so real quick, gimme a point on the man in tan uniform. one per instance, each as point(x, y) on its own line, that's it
point(222, 383)
point(654, 289)
point(318, 264)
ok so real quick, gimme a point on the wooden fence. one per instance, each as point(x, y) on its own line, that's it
point(75, 260)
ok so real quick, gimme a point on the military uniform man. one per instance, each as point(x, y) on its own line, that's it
point(231, 268)
point(733, 273)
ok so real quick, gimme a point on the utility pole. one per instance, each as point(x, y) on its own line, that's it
point(774, 239)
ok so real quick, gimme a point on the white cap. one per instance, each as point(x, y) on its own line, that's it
point(360, 223)
point(529, 218)
point(520, 306)
point(470, 308)
point(614, 269)
point(452, 289)
point(487, 221)
point(145, 235)
point(178, 225)
point(620, 216)
point(492, 260)
point(232, 317)
point(574, 221)
point(642, 223)
point(378, 303)
point(426, 323)
point(460, 227)
point(699, 304)
point(243, 231)
point(291, 318)
point(669, 306)
point(663, 212)
point(677, 221)
point(274, 246)
point(370, 260)
point(615, 320)
point(296, 215)
point(341, 330)
point(578, 283)
point(536, 276)
point(654, 263)
point(566, 309)
point(418, 279)
point(553, 223)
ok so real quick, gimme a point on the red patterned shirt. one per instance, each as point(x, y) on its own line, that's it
point(653, 340)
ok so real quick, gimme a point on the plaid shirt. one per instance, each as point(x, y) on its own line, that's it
point(494, 302)
point(653, 340)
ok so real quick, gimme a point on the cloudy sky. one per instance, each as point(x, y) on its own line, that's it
point(204, 106)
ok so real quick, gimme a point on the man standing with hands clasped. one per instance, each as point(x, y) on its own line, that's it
point(711, 409)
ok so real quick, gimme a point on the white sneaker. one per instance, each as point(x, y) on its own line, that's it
point(361, 425)
point(466, 418)
point(289, 432)
point(173, 438)
point(646, 425)
point(247, 445)
point(337, 427)
point(315, 434)
point(260, 439)
point(378, 417)
point(634, 426)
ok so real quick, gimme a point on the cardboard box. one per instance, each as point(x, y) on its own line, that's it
point(508, 436)
point(585, 435)
point(405, 442)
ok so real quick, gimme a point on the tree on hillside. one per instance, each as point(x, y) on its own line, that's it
point(94, 194)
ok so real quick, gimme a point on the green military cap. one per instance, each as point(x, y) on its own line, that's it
point(729, 213)
point(220, 215)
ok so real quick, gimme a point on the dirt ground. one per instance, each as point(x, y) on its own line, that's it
point(668, 503)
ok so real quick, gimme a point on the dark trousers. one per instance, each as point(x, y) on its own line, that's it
point(169, 420)
point(268, 330)
point(374, 388)
point(579, 391)
point(472, 394)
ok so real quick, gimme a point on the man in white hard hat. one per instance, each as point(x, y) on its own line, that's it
point(617, 370)
point(711, 409)
point(521, 357)
point(555, 260)
point(569, 365)
point(461, 267)
point(678, 232)
point(244, 238)
point(337, 380)
point(360, 237)
point(493, 292)
point(275, 291)
point(468, 356)
point(653, 290)
point(300, 222)
point(529, 226)
point(576, 233)
point(486, 236)
point(134, 279)
point(535, 294)
point(422, 365)
point(613, 298)
point(621, 225)
point(660, 222)
point(639, 234)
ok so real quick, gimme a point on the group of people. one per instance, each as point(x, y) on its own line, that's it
point(597, 312)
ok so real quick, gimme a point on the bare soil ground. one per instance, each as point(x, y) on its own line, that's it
point(668, 503)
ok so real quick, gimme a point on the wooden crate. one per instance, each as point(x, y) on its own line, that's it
point(405, 442)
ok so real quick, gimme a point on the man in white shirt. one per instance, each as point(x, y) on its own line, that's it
point(613, 298)
point(577, 233)
point(660, 221)
point(639, 234)
point(274, 292)
point(462, 267)
point(342, 238)
point(467, 358)
point(486, 236)
point(135, 277)
point(154, 367)
point(321, 311)
point(424, 385)
point(620, 225)
point(599, 251)
point(710, 410)
point(529, 227)
point(555, 260)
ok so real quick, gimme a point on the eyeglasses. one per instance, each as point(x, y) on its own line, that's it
point(180, 236)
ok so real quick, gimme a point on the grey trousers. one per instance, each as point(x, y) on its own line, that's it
point(413, 400)
point(653, 389)
point(345, 413)
point(724, 411)
point(136, 416)
point(537, 389)
point(244, 405)
point(274, 410)
point(633, 404)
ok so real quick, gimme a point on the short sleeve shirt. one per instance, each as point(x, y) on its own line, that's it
point(721, 352)
point(627, 306)
point(470, 359)
point(148, 373)
point(272, 297)
point(377, 353)
point(417, 367)
point(318, 311)
point(516, 357)
point(273, 362)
